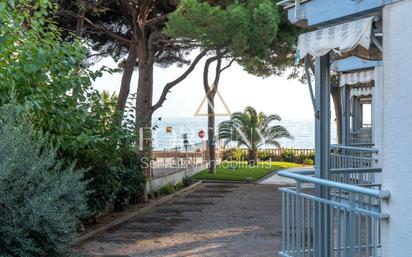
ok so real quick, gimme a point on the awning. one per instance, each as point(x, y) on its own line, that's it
point(361, 91)
point(341, 39)
point(354, 78)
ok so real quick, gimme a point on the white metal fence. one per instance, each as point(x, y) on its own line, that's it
point(361, 137)
point(343, 222)
point(353, 165)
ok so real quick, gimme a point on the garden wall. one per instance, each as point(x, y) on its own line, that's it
point(174, 178)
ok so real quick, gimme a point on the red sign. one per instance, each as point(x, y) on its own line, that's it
point(201, 134)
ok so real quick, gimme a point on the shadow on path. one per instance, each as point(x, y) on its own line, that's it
point(214, 220)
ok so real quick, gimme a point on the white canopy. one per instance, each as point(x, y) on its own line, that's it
point(354, 78)
point(341, 38)
point(361, 91)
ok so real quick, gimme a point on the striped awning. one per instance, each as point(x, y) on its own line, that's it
point(342, 38)
point(354, 78)
point(361, 91)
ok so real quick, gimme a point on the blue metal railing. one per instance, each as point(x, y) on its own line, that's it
point(348, 217)
point(361, 137)
point(353, 165)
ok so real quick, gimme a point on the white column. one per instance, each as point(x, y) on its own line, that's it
point(377, 114)
point(397, 128)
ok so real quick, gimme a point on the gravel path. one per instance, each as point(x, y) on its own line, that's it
point(214, 220)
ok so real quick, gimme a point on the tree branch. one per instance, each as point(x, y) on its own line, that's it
point(228, 66)
point(311, 66)
point(217, 77)
point(156, 20)
point(218, 57)
point(101, 29)
point(174, 41)
point(126, 4)
point(170, 85)
point(152, 51)
point(206, 85)
point(97, 54)
point(144, 11)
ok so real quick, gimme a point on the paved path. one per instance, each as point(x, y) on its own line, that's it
point(275, 179)
point(214, 220)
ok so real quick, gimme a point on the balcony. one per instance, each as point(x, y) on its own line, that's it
point(330, 219)
point(339, 216)
point(353, 165)
point(362, 137)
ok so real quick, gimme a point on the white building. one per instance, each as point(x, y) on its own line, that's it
point(359, 201)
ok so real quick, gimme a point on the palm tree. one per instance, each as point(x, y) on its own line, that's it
point(252, 130)
point(109, 100)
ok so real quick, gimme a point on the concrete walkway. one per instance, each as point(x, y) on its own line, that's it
point(214, 220)
point(282, 181)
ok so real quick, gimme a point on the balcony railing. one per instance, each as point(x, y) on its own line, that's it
point(353, 165)
point(362, 137)
point(344, 222)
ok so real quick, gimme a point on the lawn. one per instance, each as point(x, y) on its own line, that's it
point(235, 171)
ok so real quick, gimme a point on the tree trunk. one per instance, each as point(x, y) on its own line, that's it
point(144, 108)
point(80, 19)
point(253, 157)
point(210, 91)
point(211, 132)
point(126, 79)
point(337, 103)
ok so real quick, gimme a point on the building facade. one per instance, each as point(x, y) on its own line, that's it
point(358, 202)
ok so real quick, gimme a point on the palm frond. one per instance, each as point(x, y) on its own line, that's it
point(252, 129)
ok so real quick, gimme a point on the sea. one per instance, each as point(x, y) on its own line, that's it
point(170, 132)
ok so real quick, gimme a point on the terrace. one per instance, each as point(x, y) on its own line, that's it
point(336, 210)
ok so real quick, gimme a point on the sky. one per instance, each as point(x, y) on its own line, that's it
point(274, 95)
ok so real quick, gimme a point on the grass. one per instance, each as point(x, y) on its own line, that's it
point(242, 172)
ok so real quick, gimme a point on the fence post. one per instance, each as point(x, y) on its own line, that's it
point(298, 217)
point(177, 158)
point(352, 204)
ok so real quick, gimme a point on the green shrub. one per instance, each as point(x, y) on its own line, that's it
point(263, 155)
point(308, 162)
point(187, 181)
point(300, 158)
point(179, 186)
point(50, 78)
point(167, 189)
point(41, 199)
point(239, 154)
point(132, 181)
point(227, 154)
point(311, 156)
point(288, 155)
point(234, 154)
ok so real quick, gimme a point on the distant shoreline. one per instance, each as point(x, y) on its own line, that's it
point(302, 131)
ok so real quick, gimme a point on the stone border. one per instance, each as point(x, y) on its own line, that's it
point(269, 175)
point(257, 181)
point(216, 181)
point(280, 183)
point(141, 211)
point(173, 178)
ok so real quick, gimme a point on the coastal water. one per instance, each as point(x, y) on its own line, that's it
point(169, 132)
